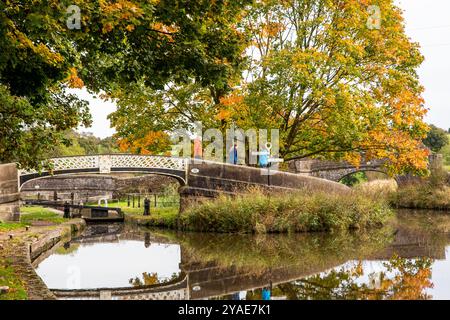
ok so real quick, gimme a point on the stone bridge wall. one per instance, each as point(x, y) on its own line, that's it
point(336, 170)
point(206, 180)
point(9, 192)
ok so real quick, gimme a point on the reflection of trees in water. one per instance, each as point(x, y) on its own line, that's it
point(151, 278)
point(258, 254)
point(402, 279)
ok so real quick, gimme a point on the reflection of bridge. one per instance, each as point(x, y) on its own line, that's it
point(200, 279)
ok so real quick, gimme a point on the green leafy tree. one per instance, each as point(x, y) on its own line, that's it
point(74, 144)
point(436, 139)
point(118, 43)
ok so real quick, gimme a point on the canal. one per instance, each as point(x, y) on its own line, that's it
point(409, 259)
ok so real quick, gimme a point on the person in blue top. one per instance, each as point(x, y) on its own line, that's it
point(233, 154)
point(264, 158)
point(266, 294)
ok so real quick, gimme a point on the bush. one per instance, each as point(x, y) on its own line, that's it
point(431, 193)
point(301, 211)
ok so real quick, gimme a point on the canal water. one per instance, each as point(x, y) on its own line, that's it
point(408, 259)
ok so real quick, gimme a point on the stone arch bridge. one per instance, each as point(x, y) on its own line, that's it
point(337, 170)
point(333, 170)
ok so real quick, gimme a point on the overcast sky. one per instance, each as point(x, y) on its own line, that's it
point(427, 22)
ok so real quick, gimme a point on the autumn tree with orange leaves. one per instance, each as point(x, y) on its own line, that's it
point(336, 87)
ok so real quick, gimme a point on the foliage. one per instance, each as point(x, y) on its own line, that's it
point(446, 154)
point(436, 139)
point(159, 217)
point(422, 196)
point(410, 280)
point(75, 143)
point(334, 87)
point(119, 43)
point(34, 69)
point(302, 211)
point(258, 255)
point(354, 179)
point(432, 192)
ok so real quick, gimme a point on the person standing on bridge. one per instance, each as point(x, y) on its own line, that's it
point(198, 149)
point(233, 154)
point(264, 158)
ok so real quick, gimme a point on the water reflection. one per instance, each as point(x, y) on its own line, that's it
point(405, 260)
point(402, 279)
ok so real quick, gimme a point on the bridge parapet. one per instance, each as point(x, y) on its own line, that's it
point(9, 192)
point(105, 163)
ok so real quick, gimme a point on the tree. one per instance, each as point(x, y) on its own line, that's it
point(75, 144)
point(118, 43)
point(335, 88)
point(34, 107)
point(436, 138)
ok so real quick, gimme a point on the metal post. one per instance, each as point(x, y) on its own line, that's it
point(66, 210)
point(133, 200)
point(72, 197)
point(139, 200)
point(146, 207)
point(155, 200)
point(128, 202)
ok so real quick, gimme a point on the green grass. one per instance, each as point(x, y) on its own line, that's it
point(164, 204)
point(28, 215)
point(422, 196)
point(301, 211)
point(159, 217)
point(10, 226)
point(432, 192)
point(9, 278)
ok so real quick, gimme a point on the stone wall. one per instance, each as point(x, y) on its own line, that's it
point(207, 180)
point(94, 187)
point(9, 192)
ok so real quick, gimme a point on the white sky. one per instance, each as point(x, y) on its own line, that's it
point(427, 22)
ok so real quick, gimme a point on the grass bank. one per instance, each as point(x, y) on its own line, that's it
point(301, 211)
point(431, 193)
point(9, 277)
point(159, 217)
point(32, 215)
point(422, 196)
